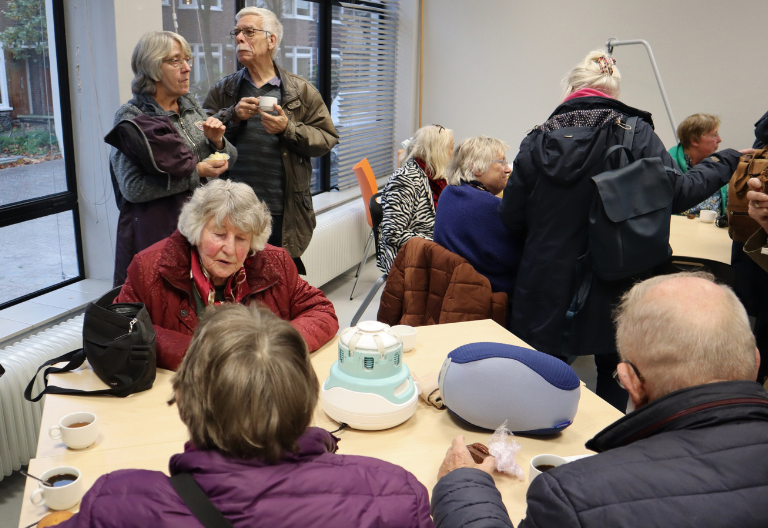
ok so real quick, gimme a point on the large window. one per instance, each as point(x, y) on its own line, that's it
point(39, 220)
point(346, 49)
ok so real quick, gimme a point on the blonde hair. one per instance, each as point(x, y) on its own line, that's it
point(597, 71)
point(246, 385)
point(682, 342)
point(430, 143)
point(473, 155)
point(148, 55)
point(695, 126)
point(226, 200)
point(269, 22)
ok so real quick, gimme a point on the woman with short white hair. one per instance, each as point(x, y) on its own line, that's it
point(162, 143)
point(548, 199)
point(219, 254)
point(467, 222)
point(409, 199)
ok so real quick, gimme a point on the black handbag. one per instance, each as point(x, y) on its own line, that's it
point(119, 344)
point(630, 217)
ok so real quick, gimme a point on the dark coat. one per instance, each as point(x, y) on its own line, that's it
point(694, 458)
point(159, 278)
point(761, 132)
point(309, 134)
point(314, 487)
point(547, 199)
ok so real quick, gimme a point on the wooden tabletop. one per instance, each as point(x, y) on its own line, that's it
point(142, 431)
point(694, 238)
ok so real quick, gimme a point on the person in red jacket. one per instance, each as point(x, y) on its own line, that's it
point(218, 255)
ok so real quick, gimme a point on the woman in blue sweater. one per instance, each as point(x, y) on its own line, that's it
point(467, 222)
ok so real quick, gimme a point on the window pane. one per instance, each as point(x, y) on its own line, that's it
point(37, 254)
point(31, 164)
point(206, 26)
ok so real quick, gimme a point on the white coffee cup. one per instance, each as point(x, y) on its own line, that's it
point(707, 216)
point(61, 497)
point(544, 460)
point(267, 103)
point(407, 335)
point(80, 436)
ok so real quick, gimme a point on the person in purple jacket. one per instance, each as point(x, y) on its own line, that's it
point(246, 390)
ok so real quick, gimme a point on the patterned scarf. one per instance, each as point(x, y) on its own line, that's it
point(234, 292)
point(437, 186)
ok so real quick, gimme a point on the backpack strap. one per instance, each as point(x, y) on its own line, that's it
point(198, 502)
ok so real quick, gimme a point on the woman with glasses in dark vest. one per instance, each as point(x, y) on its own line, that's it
point(162, 139)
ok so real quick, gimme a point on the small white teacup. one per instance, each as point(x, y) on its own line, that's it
point(542, 463)
point(267, 103)
point(707, 216)
point(407, 335)
point(77, 430)
point(64, 492)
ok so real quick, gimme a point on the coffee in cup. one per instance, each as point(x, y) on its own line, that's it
point(77, 430)
point(543, 463)
point(64, 489)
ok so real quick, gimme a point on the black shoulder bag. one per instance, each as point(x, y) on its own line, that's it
point(631, 214)
point(119, 344)
point(198, 502)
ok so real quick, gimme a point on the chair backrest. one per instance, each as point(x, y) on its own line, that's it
point(724, 273)
point(375, 215)
point(367, 182)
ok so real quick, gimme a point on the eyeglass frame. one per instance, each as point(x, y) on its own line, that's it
point(713, 136)
point(504, 162)
point(637, 373)
point(235, 32)
point(176, 62)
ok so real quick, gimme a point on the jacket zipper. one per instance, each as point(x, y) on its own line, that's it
point(704, 406)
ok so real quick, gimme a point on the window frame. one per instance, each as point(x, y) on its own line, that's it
point(193, 4)
point(293, 13)
point(198, 52)
point(61, 202)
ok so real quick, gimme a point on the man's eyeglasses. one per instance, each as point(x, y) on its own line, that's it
point(176, 62)
point(637, 373)
point(248, 32)
point(504, 162)
point(441, 127)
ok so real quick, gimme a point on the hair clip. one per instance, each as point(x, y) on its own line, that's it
point(606, 64)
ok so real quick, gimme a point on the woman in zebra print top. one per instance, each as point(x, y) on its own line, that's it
point(409, 198)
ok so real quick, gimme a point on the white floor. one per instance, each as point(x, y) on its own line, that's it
point(337, 291)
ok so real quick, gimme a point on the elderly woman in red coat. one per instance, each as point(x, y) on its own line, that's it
point(219, 255)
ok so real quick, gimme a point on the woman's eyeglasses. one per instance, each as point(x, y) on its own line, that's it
point(248, 32)
point(176, 62)
point(637, 373)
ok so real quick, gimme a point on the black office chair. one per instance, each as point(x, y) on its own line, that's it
point(724, 273)
point(377, 214)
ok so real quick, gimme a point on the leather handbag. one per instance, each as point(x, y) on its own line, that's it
point(119, 344)
point(740, 225)
point(630, 217)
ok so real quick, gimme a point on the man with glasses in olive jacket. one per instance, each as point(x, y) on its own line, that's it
point(693, 453)
point(274, 142)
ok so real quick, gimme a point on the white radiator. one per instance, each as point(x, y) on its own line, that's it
point(20, 419)
point(337, 243)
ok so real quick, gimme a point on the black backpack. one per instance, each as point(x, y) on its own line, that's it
point(631, 214)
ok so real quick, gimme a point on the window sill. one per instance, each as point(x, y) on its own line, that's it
point(23, 319)
point(327, 201)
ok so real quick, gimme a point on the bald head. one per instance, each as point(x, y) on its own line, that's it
point(684, 330)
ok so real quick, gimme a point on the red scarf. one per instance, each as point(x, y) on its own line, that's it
point(586, 92)
point(236, 289)
point(436, 185)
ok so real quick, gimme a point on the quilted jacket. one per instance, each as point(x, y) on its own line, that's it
point(428, 285)
point(159, 277)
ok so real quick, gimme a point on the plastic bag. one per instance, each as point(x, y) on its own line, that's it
point(505, 449)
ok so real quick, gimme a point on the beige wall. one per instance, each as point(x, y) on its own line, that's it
point(494, 66)
point(133, 18)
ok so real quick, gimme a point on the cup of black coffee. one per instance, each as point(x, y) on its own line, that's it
point(543, 463)
point(62, 490)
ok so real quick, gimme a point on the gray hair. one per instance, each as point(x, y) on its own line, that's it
point(246, 385)
point(148, 56)
point(473, 155)
point(685, 334)
point(226, 200)
point(596, 71)
point(430, 143)
point(269, 22)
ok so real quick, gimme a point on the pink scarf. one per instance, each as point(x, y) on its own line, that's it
point(236, 288)
point(586, 92)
